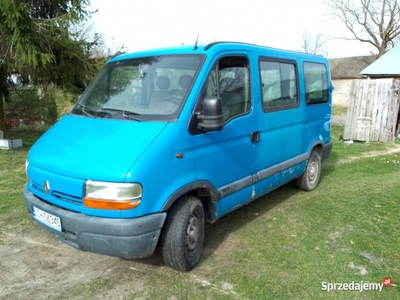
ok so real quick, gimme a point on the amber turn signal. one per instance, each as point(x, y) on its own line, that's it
point(110, 204)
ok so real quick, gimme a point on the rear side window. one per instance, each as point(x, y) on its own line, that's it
point(316, 83)
point(279, 85)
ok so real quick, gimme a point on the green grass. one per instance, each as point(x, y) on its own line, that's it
point(282, 246)
point(344, 151)
point(12, 177)
point(339, 110)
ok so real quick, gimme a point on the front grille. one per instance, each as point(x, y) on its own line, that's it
point(66, 197)
point(58, 195)
point(37, 187)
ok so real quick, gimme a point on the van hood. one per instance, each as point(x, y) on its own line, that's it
point(95, 149)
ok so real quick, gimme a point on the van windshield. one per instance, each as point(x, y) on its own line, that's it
point(140, 89)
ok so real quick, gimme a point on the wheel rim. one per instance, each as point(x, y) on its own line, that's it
point(313, 171)
point(192, 233)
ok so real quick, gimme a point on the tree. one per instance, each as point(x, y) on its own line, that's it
point(35, 34)
point(376, 22)
point(313, 44)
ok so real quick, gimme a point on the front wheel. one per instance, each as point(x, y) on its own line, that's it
point(309, 180)
point(184, 234)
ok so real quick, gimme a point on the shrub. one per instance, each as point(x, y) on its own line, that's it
point(23, 108)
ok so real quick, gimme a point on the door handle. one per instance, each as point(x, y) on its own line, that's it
point(255, 136)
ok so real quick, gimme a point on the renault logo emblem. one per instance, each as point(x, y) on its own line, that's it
point(46, 187)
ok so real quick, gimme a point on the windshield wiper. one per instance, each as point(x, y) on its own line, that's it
point(85, 112)
point(125, 113)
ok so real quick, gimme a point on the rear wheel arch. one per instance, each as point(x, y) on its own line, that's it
point(317, 146)
point(311, 176)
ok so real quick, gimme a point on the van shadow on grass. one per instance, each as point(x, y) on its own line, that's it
point(329, 166)
point(217, 233)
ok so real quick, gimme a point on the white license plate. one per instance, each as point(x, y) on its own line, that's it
point(46, 218)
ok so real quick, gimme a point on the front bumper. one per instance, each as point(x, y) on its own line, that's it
point(124, 238)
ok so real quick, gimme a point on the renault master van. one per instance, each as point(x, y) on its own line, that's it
point(165, 140)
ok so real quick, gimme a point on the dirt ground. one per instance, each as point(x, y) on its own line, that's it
point(36, 266)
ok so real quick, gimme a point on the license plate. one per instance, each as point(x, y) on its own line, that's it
point(46, 218)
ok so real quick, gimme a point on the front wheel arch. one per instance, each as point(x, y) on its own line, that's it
point(201, 189)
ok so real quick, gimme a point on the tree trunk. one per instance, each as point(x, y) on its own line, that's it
point(2, 93)
point(2, 121)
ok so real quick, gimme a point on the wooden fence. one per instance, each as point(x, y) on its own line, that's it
point(373, 111)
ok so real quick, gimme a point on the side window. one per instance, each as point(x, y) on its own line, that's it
point(230, 80)
point(279, 85)
point(316, 83)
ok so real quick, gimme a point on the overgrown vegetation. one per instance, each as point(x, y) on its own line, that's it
point(27, 107)
point(45, 47)
point(282, 246)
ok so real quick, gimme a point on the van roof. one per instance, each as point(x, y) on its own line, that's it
point(208, 49)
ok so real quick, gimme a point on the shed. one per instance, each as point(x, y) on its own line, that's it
point(345, 74)
point(373, 113)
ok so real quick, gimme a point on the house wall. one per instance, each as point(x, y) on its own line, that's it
point(342, 91)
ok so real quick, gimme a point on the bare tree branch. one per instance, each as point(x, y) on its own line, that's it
point(313, 44)
point(376, 22)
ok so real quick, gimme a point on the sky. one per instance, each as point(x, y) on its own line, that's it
point(147, 24)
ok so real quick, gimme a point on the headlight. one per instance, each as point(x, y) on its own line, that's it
point(112, 196)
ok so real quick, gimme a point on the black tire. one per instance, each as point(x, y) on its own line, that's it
point(184, 234)
point(310, 179)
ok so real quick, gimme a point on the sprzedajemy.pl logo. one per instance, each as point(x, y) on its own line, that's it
point(356, 286)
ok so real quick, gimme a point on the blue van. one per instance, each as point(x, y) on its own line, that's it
point(165, 140)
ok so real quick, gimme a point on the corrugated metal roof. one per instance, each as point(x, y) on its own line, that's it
point(387, 64)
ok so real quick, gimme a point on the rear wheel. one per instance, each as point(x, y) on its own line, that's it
point(184, 234)
point(310, 179)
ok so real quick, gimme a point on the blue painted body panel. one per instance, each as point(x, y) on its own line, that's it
point(223, 157)
point(96, 149)
point(79, 148)
point(160, 172)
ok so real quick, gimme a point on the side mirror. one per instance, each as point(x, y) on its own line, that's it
point(210, 118)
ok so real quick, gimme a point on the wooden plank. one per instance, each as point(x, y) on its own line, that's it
point(373, 111)
point(397, 96)
point(376, 127)
point(386, 131)
point(395, 106)
point(351, 123)
point(390, 124)
point(374, 132)
point(383, 122)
